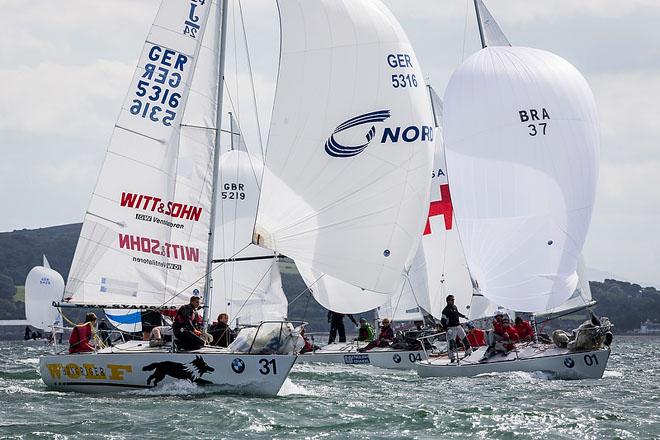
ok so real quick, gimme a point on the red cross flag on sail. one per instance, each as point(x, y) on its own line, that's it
point(441, 207)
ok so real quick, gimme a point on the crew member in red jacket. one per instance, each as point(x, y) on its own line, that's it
point(509, 333)
point(524, 329)
point(81, 335)
point(476, 336)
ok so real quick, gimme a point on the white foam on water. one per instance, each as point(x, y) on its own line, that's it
point(178, 388)
point(612, 374)
point(520, 375)
point(289, 388)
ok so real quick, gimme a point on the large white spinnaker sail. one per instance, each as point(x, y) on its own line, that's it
point(521, 135)
point(439, 268)
point(144, 236)
point(247, 283)
point(346, 185)
point(43, 286)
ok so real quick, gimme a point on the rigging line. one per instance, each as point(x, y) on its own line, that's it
point(307, 289)
point(251, 73)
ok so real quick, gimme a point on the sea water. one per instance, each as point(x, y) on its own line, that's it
point(349, 402)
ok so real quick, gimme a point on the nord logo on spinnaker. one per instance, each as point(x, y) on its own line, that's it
point(390, 134)
point(335, 149)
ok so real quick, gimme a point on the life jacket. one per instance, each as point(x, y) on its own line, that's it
point(498, 328)
point(79, 340)
point(476, 337)
point(511, 333)
point(524, 330)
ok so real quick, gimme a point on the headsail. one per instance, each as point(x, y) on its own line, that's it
point(581, 297)
point(521, 133)
point(144, 237)
point(250, 289)
point(439, 268)
point(489, 30)
point(349, 154)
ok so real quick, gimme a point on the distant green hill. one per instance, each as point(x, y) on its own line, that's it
point(626, 304)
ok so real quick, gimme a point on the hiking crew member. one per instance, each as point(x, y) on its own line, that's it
point(524, 329)
point(222, 334)
point(188, 336)
point(336, 321)
point(450, 322)
point(81, 335)
point(476, 336)
point(366, 331)
point(385, 338)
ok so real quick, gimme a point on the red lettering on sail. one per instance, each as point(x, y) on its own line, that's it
point(154, 246)
point(441, 207)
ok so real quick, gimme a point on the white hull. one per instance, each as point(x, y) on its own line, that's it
point(558, 362)
point(347, 354)
point(134, 366)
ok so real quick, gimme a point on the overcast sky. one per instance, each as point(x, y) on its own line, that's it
point(65, 66)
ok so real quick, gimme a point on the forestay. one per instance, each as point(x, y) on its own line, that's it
point(345, 192)
point(144, 236)
point(521, 134)
point(250, 289)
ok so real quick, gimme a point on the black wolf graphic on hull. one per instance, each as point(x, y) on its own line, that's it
point(191, 371)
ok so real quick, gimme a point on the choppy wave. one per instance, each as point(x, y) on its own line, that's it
point(345, 402)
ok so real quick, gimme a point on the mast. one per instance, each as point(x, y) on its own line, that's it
point(216, 157)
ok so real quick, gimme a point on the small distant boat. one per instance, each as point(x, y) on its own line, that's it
point(43, 287)
point(521, 135)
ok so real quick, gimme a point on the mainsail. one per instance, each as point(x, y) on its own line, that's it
point(346, 185)
point(144, 236)
point(247, 282)
point(521, 135)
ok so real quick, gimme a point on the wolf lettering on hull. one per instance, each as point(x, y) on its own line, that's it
point(192, 371)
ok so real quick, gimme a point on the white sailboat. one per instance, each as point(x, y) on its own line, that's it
point(328, 198)
point(145, 238)
point(43, 286)
point(521, 133)
point(437, 269)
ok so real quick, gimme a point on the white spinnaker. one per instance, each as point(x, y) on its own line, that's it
point(144, 236)
point(340, 296)
point(521, 135)
point(339, 195)
point(43, 286)
point(251, 290)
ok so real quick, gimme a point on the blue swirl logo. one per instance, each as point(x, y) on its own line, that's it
point(335, 149)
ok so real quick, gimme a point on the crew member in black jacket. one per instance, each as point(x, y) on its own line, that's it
point(188, 336)
point(336, 321)
point(450, 322)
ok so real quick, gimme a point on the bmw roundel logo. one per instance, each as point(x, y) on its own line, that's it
point(569, 362)
point(238, 365)
point(396, 358)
